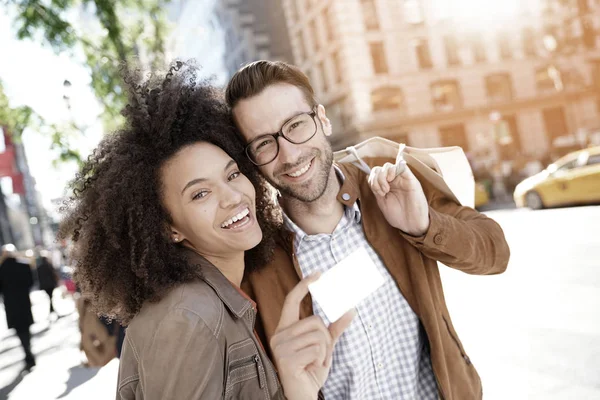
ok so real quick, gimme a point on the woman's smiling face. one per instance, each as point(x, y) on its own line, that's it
point(212, 205)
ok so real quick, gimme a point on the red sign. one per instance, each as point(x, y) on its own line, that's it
point(7, 162)
point(18, 184)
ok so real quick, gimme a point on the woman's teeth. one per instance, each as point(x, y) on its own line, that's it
point(235, 218)
point(302, 171)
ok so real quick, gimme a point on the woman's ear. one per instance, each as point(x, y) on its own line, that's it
point(176, 235)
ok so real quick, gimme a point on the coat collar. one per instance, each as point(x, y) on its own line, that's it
point(234, 300)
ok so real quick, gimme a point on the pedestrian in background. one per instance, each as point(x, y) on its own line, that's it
point(48, 278)
point(16, 280)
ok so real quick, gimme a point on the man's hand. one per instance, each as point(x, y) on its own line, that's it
point(302, 349)
point(401, 199)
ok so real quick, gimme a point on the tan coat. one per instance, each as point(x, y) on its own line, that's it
point(460, 237)
point(196, 343)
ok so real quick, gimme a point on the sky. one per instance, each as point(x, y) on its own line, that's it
point(33, 75)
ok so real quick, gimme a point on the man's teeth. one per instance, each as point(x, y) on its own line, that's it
point(235, 218)
point(301, 172)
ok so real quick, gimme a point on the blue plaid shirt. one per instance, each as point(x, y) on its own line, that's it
point(384, 353)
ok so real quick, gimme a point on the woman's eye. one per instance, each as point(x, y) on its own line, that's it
point(200, 195)
point(234, 175)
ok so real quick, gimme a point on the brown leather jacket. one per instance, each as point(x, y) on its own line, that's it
point(460, 237)
point(196, 343)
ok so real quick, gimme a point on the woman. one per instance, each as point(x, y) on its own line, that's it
point(166, 216)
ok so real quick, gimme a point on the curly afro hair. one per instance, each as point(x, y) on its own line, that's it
point(122, 249)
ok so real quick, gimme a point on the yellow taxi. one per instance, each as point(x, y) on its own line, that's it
point(481, 195)
point(573, 179)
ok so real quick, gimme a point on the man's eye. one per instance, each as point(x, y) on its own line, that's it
point(233, 175)
point(295, 125)
point(201, 194)
point(263, 144)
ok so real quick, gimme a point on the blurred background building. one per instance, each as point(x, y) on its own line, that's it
point(23, 222)
point(435, 73)
point(500, 79)
point(223, 35)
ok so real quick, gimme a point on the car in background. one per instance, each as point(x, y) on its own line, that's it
point(571, 180)
point(481, 195)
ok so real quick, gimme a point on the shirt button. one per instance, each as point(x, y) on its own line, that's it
point(346, 196)
point(380, 366)
point(370, 326)
point(438, 239)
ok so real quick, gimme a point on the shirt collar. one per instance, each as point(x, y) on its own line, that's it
point(238, 303)
point(347, 196)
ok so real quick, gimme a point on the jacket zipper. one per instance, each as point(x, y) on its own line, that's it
point(262, 373)
point(259, 368)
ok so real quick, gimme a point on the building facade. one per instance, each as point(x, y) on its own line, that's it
point(254, 30)
point(435, 73)
point(197, 34)
point(223, 35)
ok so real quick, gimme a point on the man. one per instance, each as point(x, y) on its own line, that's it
point(401, 344)
point(16, 279)
point(47, 278)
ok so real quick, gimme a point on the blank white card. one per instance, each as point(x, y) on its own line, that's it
point(346, 284)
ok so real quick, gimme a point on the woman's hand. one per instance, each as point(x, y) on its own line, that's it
point(302, 349)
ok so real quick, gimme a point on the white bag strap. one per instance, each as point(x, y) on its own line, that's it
point(359, 161)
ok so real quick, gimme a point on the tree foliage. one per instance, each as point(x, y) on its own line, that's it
point(105, 34)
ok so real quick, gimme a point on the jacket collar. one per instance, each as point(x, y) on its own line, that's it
point(227, 292)
point(348, 194)
point(349, 191)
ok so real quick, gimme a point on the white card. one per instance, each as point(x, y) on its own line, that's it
point(346, 284)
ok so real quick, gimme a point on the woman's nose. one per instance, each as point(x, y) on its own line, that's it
point(230, 196)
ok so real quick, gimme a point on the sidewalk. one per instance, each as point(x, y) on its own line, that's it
point(58, 374)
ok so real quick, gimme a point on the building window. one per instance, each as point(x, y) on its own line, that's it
point(478, 49)
point(589, 34)
point(315, 34)
point(555, 122)
point(329, 24)
point(528, 38)
point(370, 15)
point(499, 87)
point(387, 98)
point(337, 67)
point(294, 10)
point(378, 57)
point(413, 12)
point(545, 79)
point(507, 137)
point(451, 50)
point(595, 65)
point(446, 95)
point(337, 115)
point(301, 48)
point(454, 135)
point(423, 54)
point(323, 73)
point(504, 46)
point(583, 6)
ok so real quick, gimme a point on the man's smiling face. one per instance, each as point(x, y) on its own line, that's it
point(300, 171)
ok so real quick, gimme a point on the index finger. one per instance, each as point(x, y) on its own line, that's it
point(291, 306)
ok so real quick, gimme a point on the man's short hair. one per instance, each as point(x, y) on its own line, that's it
point(254, 77)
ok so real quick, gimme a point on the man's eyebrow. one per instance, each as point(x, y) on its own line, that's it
point(198, 180)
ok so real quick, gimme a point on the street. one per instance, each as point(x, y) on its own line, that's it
point(532, 332)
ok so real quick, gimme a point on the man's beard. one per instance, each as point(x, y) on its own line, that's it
point(315, 188)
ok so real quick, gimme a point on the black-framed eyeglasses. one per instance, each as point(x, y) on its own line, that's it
point(297, 130)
